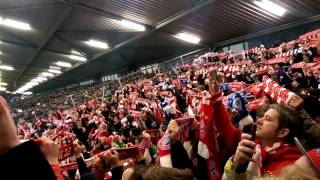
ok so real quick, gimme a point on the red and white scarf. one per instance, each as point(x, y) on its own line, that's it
point(164, 145)
point(280, 94)
point(280, 154)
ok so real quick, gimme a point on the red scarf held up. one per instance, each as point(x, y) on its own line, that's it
point(164, 145)
point(208, 139)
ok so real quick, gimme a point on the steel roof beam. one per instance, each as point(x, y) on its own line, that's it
point(33, 47)
point(51, 32)
point(19, 38)
point(183, 13)
point(71, 45)
point(19, 44)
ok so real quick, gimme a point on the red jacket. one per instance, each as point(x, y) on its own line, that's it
point(230, 135)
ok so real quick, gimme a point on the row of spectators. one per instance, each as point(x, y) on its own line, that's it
point(199, 123)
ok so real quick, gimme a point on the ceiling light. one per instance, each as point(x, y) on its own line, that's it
point(36, 80)
point(271, 7)
point(97, 44)
point(188, 37)
point(132, 25)
point(78, 58)
point(5, 67)
point(42, 78)
point(47, 74)
point(27, 93)
point(19, 90)
point(31, 84)
point(55, 67)
point(76, 52)
point(23, 88)
point(15, 24)
point(26, 86)
point(3, 88)
point(63, 64)
point(54, 71)
point(3, 84)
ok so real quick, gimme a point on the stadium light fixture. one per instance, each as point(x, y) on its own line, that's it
point(27, 93)
point(55, 67)
point(188, 37)
point(97, 44)
point(27, 86)
point(23, 88)
point(271, 7)
point(32, 83)
point(132, 25)
point(47, 74)
point(42, 78)
point(3, 84)
point(54, 71)
point(36, 80)
point(15, 24)
point(78, 58)
point(5, 67)
point(63, 64)
point(75, 52)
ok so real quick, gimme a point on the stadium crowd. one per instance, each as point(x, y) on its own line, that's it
point(247, 115)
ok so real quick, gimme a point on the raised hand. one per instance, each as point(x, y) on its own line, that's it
point(50, 150)
point(173, 130)
point(214, 82)
point(8, 132)
point(296, 102)
point(245, 147)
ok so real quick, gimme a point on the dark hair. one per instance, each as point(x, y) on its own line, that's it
point(138, 171)
point(261, 111)
point(289, 119)
point(163, 173)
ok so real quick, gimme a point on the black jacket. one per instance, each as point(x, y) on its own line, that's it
point(25, 162)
